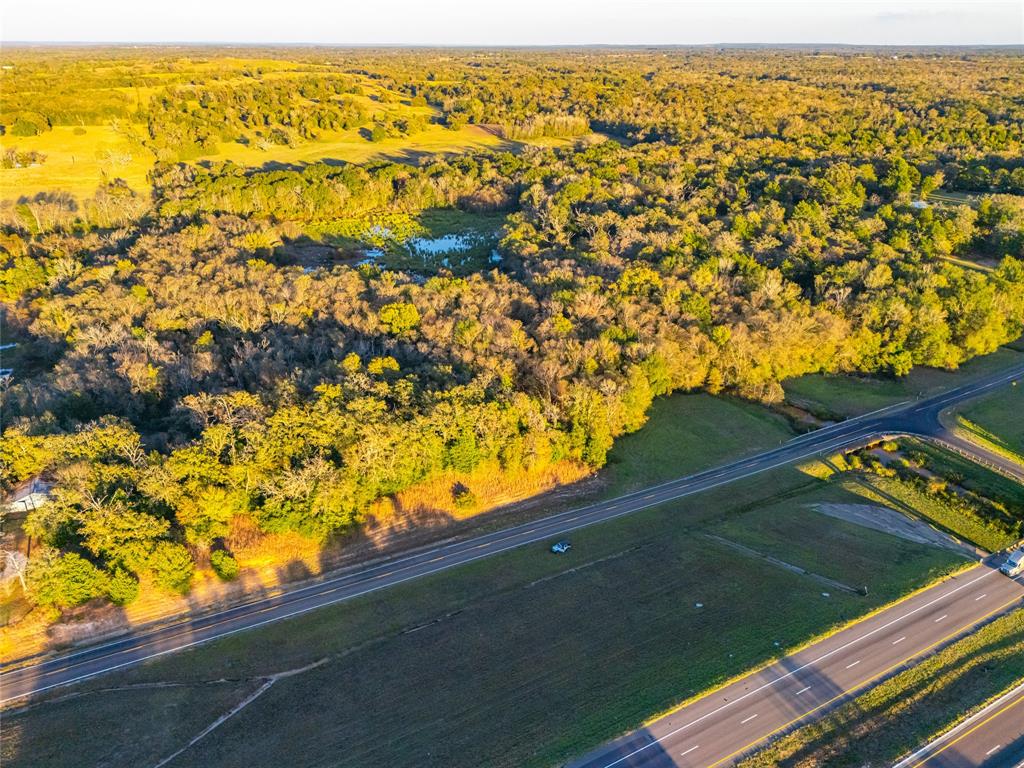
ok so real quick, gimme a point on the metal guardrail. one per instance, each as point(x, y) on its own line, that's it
point(976, 458)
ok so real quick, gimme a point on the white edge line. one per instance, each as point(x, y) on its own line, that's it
point(930, 746)
point(799, 669)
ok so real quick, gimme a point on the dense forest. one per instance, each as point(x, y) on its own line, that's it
point(712, 220)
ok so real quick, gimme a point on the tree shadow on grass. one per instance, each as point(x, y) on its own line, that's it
point(860, 735)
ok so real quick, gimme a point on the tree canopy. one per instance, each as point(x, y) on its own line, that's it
point(714, 221)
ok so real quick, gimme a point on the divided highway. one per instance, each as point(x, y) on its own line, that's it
point(721, 727)
point(917, 417)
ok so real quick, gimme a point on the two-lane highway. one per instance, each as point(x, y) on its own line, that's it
point(19, 682)
point(721, 727)
point(919, 417)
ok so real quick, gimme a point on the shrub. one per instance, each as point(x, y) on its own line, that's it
point(224, 565)
point(24, 127)
point(172, 567)
point(123, 587)
point(464, 498)
point(63, 580)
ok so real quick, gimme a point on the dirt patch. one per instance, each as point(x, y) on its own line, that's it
point(890, 521)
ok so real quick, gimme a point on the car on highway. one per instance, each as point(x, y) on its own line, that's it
point(1014, 565)
point(561, 547)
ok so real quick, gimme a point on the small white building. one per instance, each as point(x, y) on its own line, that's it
point(29, 495)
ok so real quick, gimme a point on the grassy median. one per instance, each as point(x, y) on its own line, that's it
point(997, 421)
point(689, 433)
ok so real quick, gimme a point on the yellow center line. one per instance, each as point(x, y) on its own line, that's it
point(965, 734)
point(863, 683)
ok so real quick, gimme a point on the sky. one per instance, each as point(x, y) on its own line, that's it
point(517, 22)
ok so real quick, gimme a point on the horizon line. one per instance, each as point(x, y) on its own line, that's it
point(495, 46)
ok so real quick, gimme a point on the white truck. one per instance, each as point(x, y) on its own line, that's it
point(1014, 565)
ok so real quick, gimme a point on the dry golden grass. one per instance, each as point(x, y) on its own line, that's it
point(77, 164)
point(350, 146)
point(489, 485)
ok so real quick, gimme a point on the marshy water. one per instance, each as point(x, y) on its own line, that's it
point(454, 250)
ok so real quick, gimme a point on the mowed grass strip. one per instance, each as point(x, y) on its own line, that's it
point(841, 396)
point(911, 708)
point(848, 553)
point(689, 433)
point(999, 420)
point(524, 659)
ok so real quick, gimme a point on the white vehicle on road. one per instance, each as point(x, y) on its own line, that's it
point(1014, 565)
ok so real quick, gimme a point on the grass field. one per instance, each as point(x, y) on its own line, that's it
point(824, 545)
point(351, 147)
point(466, 668)
point(845, 396)
point(998, 420)
point(911, 708)
point(76, 164)
point(688, 433)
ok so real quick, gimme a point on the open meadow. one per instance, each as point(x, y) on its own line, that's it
point(997, 421)
point(833, 396)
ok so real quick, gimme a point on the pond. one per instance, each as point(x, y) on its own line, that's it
point(460, 252)
point(453, 243)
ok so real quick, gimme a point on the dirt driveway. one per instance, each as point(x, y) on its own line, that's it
point(895, 523)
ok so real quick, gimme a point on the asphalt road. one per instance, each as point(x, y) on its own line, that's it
point(918, 417)
point(992, 738)
point(722, 727)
